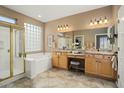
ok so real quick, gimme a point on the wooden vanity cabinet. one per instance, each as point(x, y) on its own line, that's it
point(90, 64)
point(100, 65)
point(106, 69)
point(59, 60)
point(55, 60)
point(63, 62)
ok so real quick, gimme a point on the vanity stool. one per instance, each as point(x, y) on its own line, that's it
point(74, 65)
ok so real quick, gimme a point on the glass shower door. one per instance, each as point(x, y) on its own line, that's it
point(4, 52)
point(18, 51)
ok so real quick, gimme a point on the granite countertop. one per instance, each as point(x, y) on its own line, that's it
point(86, 52)
point(99, 52)
point(63, 50)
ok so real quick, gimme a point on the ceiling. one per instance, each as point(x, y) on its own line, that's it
point(45, 13)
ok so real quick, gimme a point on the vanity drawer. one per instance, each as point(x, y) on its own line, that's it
point(63, 53)
point(89, 55)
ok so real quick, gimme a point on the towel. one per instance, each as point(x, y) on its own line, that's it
point(114, 62)
point(75, 63)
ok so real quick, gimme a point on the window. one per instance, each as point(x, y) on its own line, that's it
point(33, 38)
point(102, 42)
point(7, 19)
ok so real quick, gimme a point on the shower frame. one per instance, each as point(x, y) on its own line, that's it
point(20, 28)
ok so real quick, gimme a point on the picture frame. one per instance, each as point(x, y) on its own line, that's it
point(50, 40)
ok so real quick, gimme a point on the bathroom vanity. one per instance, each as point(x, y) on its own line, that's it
point(95, 52)
point(95, 63)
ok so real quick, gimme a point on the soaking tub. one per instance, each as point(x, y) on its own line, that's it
point(37, 63)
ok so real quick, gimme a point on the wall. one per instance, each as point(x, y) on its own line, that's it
point(78, 22)
point(115, 9)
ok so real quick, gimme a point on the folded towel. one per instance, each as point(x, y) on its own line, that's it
point(114, 62)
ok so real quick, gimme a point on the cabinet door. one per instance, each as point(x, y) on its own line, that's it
point(63, 63)
point(55, 60)
point(106, 68)
point(90, 65)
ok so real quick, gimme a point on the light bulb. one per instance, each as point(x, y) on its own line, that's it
point(61, 28)
point(100, 22)
point(91, 23)
point(67, 27)
point(64, 27)
point(105, 20)
point(58, 28)
point(95, 22)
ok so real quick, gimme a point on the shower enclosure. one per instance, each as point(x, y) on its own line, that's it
point(12, 50)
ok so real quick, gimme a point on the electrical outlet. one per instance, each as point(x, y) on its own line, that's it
point(118, 48)
point(118, 76)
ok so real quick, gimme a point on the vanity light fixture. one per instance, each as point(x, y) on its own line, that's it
point(100, 21)
point(63, 27)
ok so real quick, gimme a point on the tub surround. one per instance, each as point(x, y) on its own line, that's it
point(37, 63)
point(95, 62)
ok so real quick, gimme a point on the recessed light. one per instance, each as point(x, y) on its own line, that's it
point(122, 18)
point(39, 16)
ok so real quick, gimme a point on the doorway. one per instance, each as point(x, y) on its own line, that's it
point(12, 50)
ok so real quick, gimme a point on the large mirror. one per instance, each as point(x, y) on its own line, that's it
point(86, 39)
point(65, 40)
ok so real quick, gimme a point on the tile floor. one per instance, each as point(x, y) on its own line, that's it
point(56, 78)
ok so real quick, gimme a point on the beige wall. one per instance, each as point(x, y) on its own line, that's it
point(79, 22)
point(115, 9)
